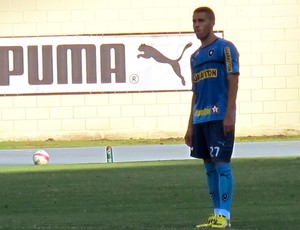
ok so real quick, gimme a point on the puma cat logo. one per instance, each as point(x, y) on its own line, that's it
point(151, 52)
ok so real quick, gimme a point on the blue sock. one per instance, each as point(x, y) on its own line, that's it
point(213, 185)
point(225, 188)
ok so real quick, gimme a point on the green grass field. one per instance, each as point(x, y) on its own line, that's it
point(146, 195)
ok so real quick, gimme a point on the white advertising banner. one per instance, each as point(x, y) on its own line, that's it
point(96, 64)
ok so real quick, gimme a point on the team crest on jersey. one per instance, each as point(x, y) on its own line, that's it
point(211, 52)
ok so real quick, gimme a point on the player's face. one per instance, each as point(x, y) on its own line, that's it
point(202, 25)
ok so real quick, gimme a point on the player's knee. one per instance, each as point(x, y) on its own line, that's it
point(210, 168)
point(223, 168)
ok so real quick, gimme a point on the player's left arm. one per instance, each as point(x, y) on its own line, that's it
point(229, 119)
point(232, 67)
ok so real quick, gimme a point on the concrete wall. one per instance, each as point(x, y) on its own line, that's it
point(266, 32)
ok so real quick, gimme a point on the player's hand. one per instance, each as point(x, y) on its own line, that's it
point(188, 137)
point(228, 124)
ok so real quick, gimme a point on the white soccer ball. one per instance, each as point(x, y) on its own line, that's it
point(40, 157)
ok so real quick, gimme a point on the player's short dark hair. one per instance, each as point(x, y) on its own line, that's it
point(205, 9)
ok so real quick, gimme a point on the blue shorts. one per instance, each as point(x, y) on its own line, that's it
point(210, 143)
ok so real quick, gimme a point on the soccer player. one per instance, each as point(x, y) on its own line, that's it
point(210, 133)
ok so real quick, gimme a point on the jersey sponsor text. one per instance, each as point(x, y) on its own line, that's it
point(208, 73)
point(228, 59)
point(202, 112)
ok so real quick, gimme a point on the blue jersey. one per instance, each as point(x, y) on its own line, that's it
point(210, 67)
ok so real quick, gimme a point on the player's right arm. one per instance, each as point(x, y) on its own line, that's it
point(189, 132)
